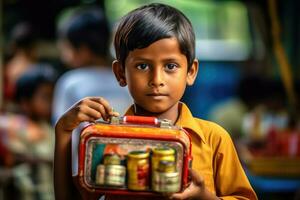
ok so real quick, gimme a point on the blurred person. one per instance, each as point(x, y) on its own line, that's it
point(29, 135)
point(270, 113)
point(250, 92)
point(21, 55)
point(34, 92)
point(83, 39)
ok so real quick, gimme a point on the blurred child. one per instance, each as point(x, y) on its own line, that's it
point(29, 134)
point(21, 55)
point(155, 57)
point(250, 92)
point(270, 113)
point(83, 38)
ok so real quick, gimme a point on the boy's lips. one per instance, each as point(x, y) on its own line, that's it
point(157, 95)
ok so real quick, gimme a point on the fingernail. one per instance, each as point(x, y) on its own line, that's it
point(114, 114)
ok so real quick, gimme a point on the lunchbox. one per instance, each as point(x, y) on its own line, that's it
point(131, 155)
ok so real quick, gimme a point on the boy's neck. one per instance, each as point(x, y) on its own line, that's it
point(170, 114)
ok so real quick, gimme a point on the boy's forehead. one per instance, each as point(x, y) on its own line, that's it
point(170, 45)
point(167, 48)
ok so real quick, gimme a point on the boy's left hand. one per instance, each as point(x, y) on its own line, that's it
point(196, 189)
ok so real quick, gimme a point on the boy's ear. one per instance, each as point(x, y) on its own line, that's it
point(192, 73)
point(119, 73)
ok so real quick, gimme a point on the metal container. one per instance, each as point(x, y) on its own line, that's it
point(100, 175)
point(161, 153)
point(115, 175)
point(165, 182)
point(166, 166)
point(138, 170)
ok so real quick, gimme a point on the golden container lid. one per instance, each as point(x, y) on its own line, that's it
point(138, 154)
point(163, 151)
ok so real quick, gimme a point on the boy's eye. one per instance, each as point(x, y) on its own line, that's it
point(171, 67)
point(143, 66)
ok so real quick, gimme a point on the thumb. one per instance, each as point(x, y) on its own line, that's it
point(196, 178)
point(193, 190)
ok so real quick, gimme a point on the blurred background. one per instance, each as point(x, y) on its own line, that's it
point(248, 82)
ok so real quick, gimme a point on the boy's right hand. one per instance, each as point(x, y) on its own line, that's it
point(88, 109)
point(196, 190)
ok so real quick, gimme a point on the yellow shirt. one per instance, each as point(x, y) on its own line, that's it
point(214, 157)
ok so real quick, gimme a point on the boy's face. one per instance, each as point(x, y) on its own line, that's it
point(157, 76)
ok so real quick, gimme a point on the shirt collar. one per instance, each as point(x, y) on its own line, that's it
point(188, 122)
point(185, 120)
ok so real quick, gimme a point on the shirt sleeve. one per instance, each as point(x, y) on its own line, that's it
point(230, 179)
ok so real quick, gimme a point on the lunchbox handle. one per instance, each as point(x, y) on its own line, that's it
point(141, 120)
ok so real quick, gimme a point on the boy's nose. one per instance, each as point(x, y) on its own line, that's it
point(157, 79)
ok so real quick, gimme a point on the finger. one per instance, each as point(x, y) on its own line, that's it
point(192, 190)
point(115, 113)
point(83, 117)
point(86, 110)
point(104, 103)
point(92, 104)
point(184, 195)
point(103, 111)
point(196, 178)
point(100, 105)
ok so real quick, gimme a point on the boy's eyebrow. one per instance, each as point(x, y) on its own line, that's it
point(137, 59)
point(140, 59)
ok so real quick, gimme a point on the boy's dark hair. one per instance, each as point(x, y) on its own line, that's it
point(31, 80)
point(150, 23)
point(86, 26)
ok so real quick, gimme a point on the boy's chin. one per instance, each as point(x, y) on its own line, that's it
point(149, 110)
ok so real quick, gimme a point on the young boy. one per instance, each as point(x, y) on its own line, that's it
point(155, 58)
